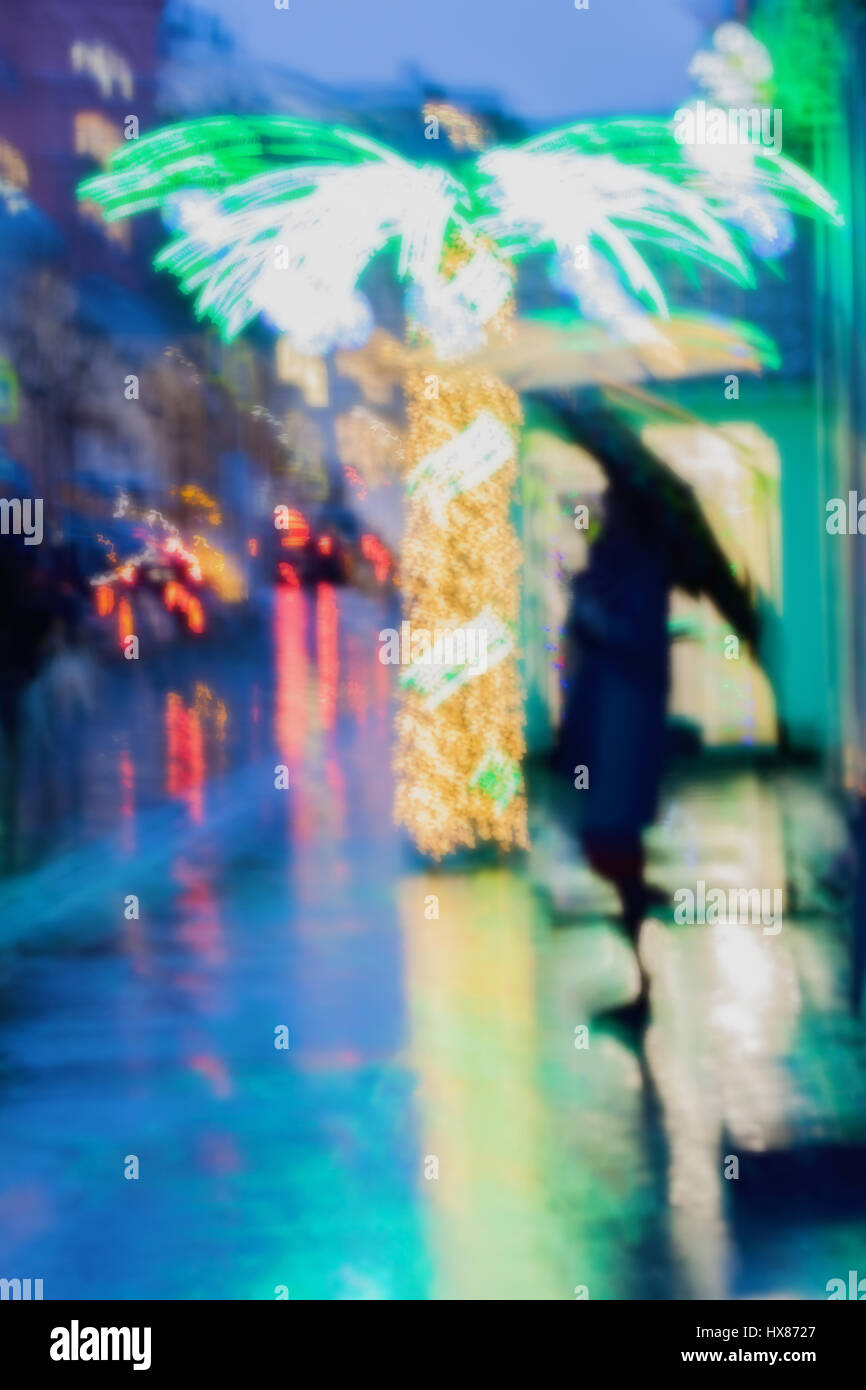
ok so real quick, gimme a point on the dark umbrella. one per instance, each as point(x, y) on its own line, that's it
point(667, 504)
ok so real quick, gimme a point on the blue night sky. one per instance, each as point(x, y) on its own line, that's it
point(543, 58)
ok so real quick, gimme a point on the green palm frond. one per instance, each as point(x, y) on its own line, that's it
point(215, 153)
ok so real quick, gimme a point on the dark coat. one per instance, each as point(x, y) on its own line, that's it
point(617, 672)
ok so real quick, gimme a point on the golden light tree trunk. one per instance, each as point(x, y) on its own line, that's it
point(458, 762)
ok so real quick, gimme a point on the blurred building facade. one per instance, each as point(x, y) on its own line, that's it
point(111, 378)
point(72, 76)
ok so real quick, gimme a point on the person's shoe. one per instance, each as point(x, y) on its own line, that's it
point(653, 902)
point(631, 1018)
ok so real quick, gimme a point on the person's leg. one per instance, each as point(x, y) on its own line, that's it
point(618, 856)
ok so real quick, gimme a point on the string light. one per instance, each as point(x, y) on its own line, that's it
point(463, 462)
point(437, 672)
point(497, 777)
point(454, 567)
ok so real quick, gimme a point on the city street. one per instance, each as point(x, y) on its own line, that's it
point(433, 1129)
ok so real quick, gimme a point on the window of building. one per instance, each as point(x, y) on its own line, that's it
point(13, 167)
point(120, 233)
point(108, 69)
point(95, 135)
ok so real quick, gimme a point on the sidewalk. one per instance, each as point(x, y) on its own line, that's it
point(753, 1054)
point(433, 1130)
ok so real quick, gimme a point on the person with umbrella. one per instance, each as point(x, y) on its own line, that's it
point(653, 537)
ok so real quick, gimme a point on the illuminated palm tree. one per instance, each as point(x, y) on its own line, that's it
point(280, 217)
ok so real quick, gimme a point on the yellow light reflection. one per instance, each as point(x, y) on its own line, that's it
point(474, 1046)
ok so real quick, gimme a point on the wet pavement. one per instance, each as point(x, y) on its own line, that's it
point(432, 1129)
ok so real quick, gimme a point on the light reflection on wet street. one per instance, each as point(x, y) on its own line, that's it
point(410, 1038)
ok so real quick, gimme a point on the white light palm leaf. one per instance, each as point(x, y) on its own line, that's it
point(292, 244)
point(217, 152)
point(572, 202)
point(599, 194)
point(241, 193)
point(280, 216)
point(650, 142)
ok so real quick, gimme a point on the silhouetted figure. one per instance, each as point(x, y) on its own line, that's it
point(617, 673)
point(654, 537)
